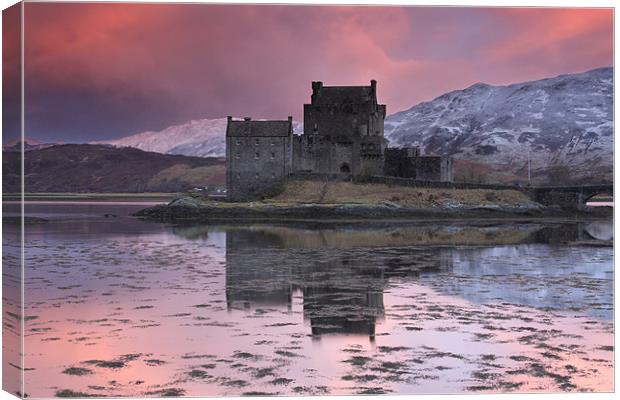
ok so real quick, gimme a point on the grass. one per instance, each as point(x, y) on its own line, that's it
point(353, 193)
point(196, 176)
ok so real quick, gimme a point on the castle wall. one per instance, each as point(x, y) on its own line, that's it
point(434, 168)
point(400, 162)
point(447, 170)
point(256, 163)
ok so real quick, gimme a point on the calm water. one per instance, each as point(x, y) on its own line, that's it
point(120, 307)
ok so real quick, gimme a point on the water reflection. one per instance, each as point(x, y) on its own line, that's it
point(121, 307)
point(342, 290)
point(600, 230)
point(12, 313)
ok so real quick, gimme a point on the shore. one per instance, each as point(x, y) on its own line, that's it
point(191, 209)
point(91, 196)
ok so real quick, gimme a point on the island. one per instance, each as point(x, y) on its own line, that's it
point(343, 200)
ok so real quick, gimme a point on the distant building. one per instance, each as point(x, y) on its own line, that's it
point(343, 135)
point(343, 131)
point(258, 155)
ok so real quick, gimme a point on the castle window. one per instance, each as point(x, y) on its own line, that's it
point(256, 175)
point(238, 141)
point(256, 141)
point(273, 142)
point(237, 155)
point(256, 155)
point(316, 127)
point(273, 155)
point(273, 175)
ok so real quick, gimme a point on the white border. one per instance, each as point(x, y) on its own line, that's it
point(474, 3)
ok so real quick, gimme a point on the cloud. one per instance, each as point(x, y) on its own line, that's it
point(99, 71)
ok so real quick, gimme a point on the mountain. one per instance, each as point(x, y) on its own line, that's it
point(29, 144)
point(200, 138)
point(563, 124)
point(106, 169)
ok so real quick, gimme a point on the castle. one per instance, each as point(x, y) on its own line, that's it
point(343, 135)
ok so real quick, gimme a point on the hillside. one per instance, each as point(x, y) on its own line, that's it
point(29, 145)
point(564, 124)
point(199, 138)
point(105, 169)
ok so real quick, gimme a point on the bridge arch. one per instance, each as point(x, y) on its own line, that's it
point(569, 197)
point(603, 193)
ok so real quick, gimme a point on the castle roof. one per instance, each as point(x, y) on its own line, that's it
point(340, 94)
point(343, 94)
point(251, 128)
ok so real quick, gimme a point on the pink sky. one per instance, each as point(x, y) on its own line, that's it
point(99, 71)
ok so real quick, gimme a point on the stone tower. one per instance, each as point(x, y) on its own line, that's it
point(343, 131)
point(258, 156)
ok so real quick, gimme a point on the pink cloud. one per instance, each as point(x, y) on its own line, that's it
point(177, 62)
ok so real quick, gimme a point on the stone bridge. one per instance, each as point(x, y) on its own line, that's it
point(568, 197)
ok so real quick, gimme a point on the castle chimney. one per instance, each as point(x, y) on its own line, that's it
point(316, 86)
point(290, 119)
point(229, 118)
point(247, 119)
point(373, 85)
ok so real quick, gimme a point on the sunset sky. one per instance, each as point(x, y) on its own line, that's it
point(103, 71)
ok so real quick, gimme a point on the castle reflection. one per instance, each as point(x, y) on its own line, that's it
point(342, 288)
point(340, 273)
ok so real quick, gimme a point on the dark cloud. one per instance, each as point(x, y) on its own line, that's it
point(11, 73)
point(100, 71)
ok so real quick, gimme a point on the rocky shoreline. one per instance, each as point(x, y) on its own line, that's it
point(191, 209)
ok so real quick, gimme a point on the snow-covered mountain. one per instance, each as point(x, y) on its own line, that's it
point(200, 138)
point(562, 121)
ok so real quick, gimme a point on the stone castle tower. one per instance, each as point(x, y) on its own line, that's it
point(343, 131)
point(258, 155)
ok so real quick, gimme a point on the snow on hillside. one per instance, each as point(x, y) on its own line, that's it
point(566, 120)
point(201, 138)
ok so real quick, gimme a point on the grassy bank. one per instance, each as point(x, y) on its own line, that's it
point(316, 192)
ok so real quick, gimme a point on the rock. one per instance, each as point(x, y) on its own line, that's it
point(186, 202)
